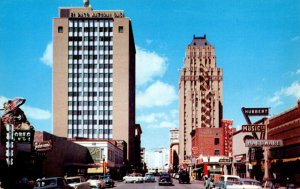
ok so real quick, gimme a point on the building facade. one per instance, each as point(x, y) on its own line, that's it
point(107, 157)
point(157, 159)
point(174, 149)
point(200, 93)
point(284, 161)
point(94, 75)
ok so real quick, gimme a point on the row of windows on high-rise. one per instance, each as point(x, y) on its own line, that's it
point(86, 131)
point(90, 93)
point(91, 38)
point(90, 48)
point(90, 84)
point(90, 75)
point(94, 56)
point(90, 66)
point(90, 122)
point(90, 29)
point(82, 103)
point(90, 103)
point(94, 112)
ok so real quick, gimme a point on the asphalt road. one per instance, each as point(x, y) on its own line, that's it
point(193, 185)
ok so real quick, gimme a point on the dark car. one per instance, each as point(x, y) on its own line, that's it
point(108, 181)
point(52, 183)
point(184, 177)
point(165, 179)
point(149, 177)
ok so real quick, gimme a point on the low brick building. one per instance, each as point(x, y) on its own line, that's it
point(285, 160)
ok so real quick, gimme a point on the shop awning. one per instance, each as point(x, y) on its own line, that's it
point(200, 169)
point(80, 165)
point(95, 170)
point(286, 159)
point(216, 170)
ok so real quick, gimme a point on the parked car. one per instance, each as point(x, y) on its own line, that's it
point(226, 180)
point(96, 181)
point(184, 177)
point(149, 177)
point(278, 183)
point(250, 182)
point(246, 184)
point(109, 182)
point(165, 179)
point(52, 183)
point(133, 178)
point(78, 182)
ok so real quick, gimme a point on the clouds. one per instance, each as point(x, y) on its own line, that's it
point(156, 95)
point(160, 119)
point(291, 91)
point(149, 65)
point(153, 95)
point(36, 113)
point(47, 57)
point(31, 112)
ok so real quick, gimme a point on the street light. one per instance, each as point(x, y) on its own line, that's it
point(104, 167)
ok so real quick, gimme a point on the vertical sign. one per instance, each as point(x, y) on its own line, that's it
point(9, 144)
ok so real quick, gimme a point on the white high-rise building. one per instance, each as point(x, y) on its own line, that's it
point(157, 159)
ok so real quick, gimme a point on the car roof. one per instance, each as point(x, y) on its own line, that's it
point(246, 179)
point(50, 178)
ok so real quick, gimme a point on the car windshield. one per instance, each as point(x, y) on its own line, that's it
point(105, 177)
point(48, 182)
point(94, 177)
point(250, 182)
point(73, 180)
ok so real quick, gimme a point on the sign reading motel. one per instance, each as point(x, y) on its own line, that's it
point(260, 143)
point(254, 128)
point(256, 111)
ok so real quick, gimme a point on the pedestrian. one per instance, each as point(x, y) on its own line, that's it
point(207, 183)
point(211, 183)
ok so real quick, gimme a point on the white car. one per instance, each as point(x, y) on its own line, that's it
point(246, 184)
point(133, 178)
point(227, 180)
point(96, 181)
point(235, 182)
point(78, 182)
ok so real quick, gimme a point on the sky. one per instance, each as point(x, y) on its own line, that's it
point(257, 45)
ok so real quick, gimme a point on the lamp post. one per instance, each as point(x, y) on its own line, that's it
point(104, 166)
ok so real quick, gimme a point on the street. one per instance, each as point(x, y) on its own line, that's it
point(194, 184)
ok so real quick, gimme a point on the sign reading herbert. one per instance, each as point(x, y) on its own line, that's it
point(256, 111)
point(254, 128)
point(260, 143)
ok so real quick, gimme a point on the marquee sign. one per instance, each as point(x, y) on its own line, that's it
point(260, 143)
point(23, 136)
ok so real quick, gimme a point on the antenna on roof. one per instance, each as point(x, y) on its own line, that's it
point(86, 3)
